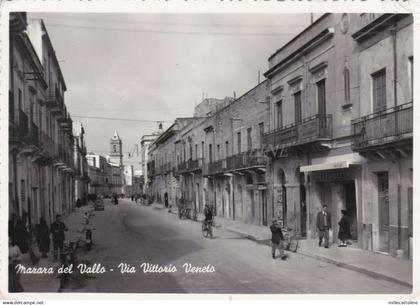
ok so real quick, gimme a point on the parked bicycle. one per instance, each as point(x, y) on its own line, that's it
point(68, 258)
point(206, 228)
point(291, 240)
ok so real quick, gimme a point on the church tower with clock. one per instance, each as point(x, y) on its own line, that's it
point(115, 155)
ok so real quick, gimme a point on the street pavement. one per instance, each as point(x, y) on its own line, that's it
point(133, 234)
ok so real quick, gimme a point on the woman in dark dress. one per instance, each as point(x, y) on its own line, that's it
point(344, 231)
point(43, 237)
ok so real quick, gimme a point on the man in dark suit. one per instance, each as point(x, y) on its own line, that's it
point(323, 224)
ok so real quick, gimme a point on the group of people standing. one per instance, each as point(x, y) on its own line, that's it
point(323, 225)
point(21, 235)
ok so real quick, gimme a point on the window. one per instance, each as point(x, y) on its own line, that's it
point(218, 152)
point(298, 106)
point(346, 74)
point(249, 138)
point(196, 151)
point(279, 114)
point(202, 149)
point(261, 128)
point(11, 107)
point(114, 148)
point(239, 142)
point(379, 90)
point(321, 98)
point(20, 99)
point(226, 149)
point(410, 59)
point(191, 152)
point(210, 153)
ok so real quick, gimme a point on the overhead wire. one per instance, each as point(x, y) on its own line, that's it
point(165, 32)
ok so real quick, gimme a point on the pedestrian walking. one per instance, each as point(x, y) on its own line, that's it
point(166, 199)
point(277, 240)
point(57, 231)
point(14, 258)
point(323, 225)
point(20, 235)
point(43, 237)
point(344, 231)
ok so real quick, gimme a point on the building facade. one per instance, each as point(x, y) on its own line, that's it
point(80, 162)
point(133, 183)
point(331, 125)
point(41, 166)
point(330, 97)
point(383, 131)
point(145, 142)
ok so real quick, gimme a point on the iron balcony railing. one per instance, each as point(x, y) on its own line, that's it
point(182, 166)
point(194, 165)
point(20, 127)
point(151, 168)
point(47, 145)
point(216, 167)
point(32, 137)
point(253, 158)
point(383, 127)
point(311, 129)
point(190, 165)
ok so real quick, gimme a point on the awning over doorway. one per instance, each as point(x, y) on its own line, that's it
point(326, 166)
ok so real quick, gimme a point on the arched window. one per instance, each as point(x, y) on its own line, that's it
point(114, 148)
point(346, 74)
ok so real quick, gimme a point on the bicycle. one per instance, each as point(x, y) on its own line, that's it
point(291, 240)
point(206, 229)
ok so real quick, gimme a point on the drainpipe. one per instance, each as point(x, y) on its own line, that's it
point(394, 51)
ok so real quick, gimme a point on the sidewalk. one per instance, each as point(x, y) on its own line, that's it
point(50, 282)
point(376, 265)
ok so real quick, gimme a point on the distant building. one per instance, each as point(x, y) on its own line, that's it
point(145, 142)
point(132, 183)
point(116, 155)
point(80, 162)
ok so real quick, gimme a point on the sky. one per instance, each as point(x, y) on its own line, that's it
point(156, 67)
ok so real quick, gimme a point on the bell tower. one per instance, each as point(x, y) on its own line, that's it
point(115, 155)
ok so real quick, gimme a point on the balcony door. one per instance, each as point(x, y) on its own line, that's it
point(379, 90)
point(298, 106)
point(322, 107)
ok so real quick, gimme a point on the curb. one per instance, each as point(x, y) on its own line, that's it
point(370, 273)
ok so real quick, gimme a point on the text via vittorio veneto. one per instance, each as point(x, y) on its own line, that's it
point(123, 268)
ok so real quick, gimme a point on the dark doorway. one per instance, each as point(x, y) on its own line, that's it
point(302, 192)
point(351, 207)
point(383, 206)
point(264, 207)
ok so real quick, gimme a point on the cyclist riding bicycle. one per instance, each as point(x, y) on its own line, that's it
point(208, 213)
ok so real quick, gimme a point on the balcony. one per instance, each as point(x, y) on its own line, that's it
point(47, 145)
point(54, 101)
point(151, 168)
point(166, 168)
point(390, 129)
point(190, 166)
point(32, 137)
point(216, 167)
point(247, 160)
point(304, 134)
point(20, 127)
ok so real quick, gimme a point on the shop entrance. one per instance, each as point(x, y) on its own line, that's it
point(263, 201)
point(350, 206)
